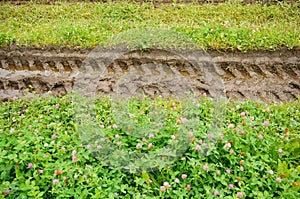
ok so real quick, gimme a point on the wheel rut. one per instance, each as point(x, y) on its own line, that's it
point(266, 76)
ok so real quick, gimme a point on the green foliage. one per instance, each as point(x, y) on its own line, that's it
point(227, 26)
point(42, 132)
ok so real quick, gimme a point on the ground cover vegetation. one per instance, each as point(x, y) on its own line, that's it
point(225, 26)
point(255, 154)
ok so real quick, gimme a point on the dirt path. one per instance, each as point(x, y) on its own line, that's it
point(57, 71)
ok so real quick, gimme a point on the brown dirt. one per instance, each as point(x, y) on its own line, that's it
point(256, 75)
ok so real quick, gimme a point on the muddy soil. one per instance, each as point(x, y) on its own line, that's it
point(256, 75)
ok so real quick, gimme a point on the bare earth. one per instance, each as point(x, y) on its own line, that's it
point(56, 71)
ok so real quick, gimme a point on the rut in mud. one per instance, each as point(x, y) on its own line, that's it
point(255, 75)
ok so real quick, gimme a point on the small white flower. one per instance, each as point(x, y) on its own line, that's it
point(227, 145)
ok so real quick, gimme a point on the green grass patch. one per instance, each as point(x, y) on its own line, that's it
point(255, 154)
point(227, 26)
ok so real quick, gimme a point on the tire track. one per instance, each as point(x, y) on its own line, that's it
point(255, 75)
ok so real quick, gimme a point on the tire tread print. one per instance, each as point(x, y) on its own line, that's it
point(239, 77)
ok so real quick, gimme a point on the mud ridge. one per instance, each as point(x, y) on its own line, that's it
point(256, 75)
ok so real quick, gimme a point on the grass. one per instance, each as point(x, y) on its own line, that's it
point(254, 152)
point(227, 26)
